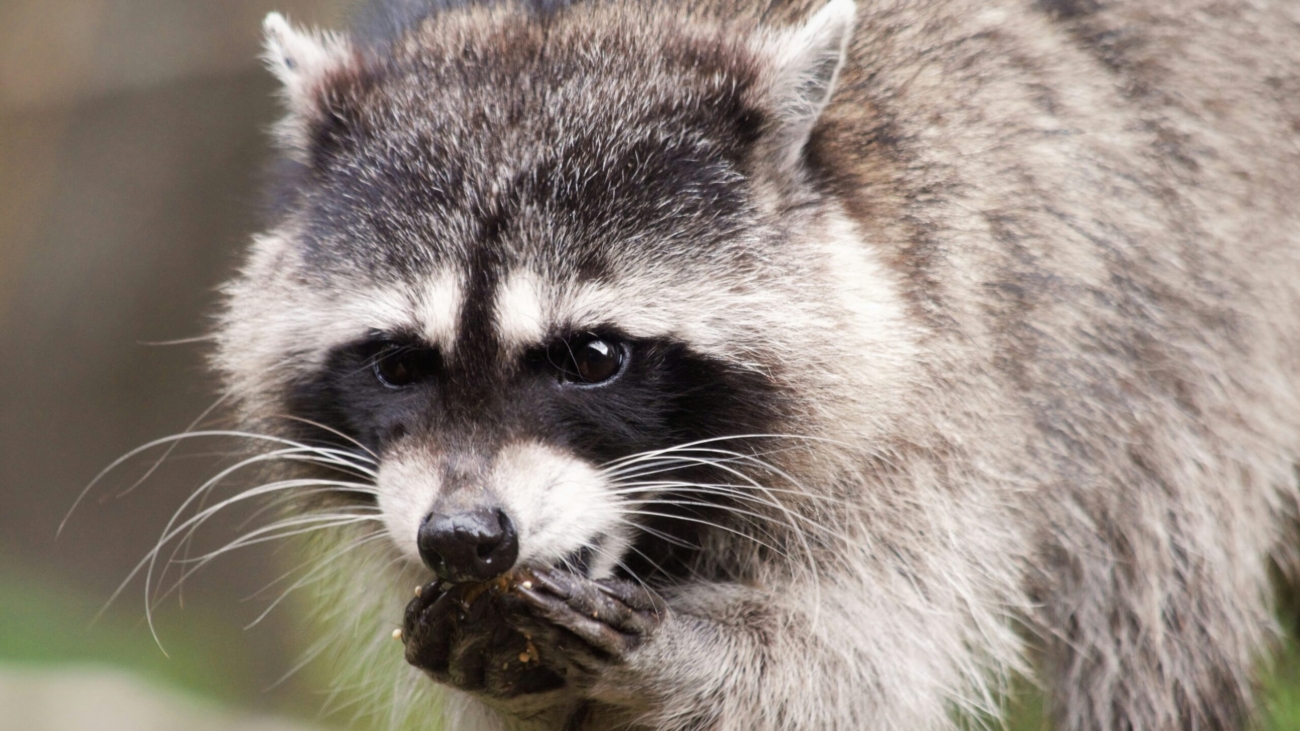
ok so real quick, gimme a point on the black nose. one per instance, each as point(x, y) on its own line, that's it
point(473, 546)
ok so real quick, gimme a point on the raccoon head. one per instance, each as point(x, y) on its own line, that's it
point(550, 267)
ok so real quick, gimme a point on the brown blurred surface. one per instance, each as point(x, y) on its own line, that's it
point(132, 139)
point(63, 51)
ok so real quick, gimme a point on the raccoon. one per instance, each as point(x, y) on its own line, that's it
point(787, 365)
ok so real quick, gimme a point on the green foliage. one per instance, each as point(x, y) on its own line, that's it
point(44, 625)
point(1280, 690)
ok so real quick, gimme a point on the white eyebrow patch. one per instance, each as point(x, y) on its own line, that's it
point(438, 308)
point(520, 311)
point(637, 311)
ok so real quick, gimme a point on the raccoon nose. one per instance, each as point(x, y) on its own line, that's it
point(472, 546)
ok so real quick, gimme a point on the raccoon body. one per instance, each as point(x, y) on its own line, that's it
point(791, 365)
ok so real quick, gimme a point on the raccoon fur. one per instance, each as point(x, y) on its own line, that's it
point(788, 365)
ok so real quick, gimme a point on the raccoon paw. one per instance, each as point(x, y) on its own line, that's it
point(591, 623)
point(459, 639)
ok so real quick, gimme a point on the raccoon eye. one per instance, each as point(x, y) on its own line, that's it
point(397, 366)
point(587, 359)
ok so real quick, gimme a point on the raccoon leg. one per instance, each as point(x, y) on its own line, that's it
point(728, 657)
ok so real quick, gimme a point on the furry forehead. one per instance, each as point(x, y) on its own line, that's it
point(563, 142)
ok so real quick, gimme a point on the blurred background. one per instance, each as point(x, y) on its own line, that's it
point(132, 140)
point(133, 135)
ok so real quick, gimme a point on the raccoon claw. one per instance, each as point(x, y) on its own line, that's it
point(457, 639)
point(425, 631)
point(611, 617)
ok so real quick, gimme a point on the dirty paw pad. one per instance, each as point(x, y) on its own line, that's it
point(460, 637)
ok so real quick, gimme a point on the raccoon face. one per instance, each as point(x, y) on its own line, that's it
point(553, 271)
point(504, 446)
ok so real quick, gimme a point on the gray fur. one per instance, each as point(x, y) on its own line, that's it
point(1027, 293)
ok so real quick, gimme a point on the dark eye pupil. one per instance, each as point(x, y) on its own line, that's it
point(597, 361)
point(401, 366)
point(587, 359)
point(394, 370)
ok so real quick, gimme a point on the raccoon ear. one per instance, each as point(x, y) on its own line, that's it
point(806, 62)
point(302, 60)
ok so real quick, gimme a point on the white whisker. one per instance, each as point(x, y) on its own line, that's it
point(214, 433)
point(269, 532)
point(671, 458)
point(708, 523)
point(629, 474)
point(326, 428)
point(713, 440)
point(262, 535)
point(314, 574)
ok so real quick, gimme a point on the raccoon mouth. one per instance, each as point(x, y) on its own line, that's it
point(577, 563)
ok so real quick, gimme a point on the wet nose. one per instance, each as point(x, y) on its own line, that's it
point(476, 545)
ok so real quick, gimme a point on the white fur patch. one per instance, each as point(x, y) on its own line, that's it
point(301, 59)
point(521, 320)
point(806, 65)
point(558, 503)
point(314, 322)
point(272, 314)
point(438, 309)
point(637, 313)
point(864, 288)
point(408, 484)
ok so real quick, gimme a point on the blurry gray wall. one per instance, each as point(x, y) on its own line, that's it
point(132, 138)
